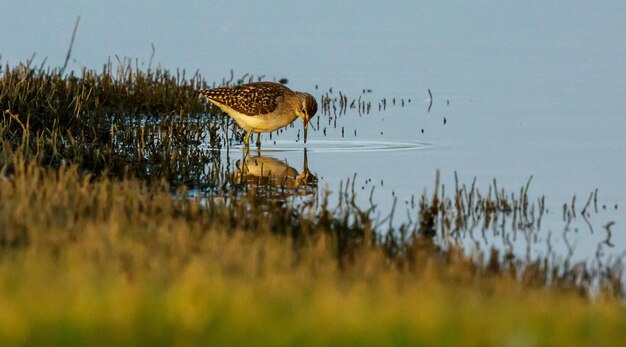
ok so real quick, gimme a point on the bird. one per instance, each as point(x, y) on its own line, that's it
point(263, 106)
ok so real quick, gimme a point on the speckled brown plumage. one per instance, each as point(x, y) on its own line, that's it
point(251, 99)
point(263, 106)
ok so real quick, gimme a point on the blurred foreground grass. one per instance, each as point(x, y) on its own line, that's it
point(94, 256)
point(105, 262)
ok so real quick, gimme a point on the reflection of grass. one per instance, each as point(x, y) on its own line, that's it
point(95, 249)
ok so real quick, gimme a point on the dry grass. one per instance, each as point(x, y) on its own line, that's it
point(94, 261)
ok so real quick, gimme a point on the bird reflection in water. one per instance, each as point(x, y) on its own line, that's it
point(274, 178)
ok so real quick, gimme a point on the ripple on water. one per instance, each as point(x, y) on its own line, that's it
point(333, 146)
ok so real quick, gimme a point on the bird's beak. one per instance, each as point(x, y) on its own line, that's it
point(306, 119)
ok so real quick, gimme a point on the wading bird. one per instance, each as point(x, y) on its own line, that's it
point(263, 106)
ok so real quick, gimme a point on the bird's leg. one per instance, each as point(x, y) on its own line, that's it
point(258, 140)
point(246, 140)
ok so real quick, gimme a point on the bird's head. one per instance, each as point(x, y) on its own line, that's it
point(306, 110)
point(307, 107)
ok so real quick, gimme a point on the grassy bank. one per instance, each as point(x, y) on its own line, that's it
point(100, 242)
point(100, 261)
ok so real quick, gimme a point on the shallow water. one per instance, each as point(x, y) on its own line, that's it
point(518, 89)
point(337, 146)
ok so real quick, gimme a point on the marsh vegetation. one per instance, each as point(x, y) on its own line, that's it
point(121, 222)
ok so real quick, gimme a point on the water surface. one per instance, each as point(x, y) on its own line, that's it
point(532, 88)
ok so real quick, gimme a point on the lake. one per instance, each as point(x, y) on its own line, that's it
point(518, 89)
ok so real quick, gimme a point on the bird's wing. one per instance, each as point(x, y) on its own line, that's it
point(251, 99)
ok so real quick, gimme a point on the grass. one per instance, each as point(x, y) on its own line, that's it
point(96, 261)
point(121, 120)
point(100, 242)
